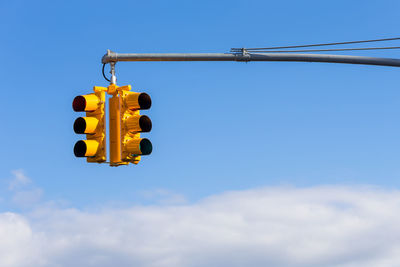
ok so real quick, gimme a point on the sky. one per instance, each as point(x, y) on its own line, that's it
point(258, 163)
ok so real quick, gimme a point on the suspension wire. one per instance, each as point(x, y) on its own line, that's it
point(311, 45)
point(325, 50)
point(104, 74)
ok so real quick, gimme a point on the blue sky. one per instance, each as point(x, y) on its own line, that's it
point(217, 126)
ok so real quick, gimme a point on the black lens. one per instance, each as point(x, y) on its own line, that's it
point(80, 149)
point(144, 101)
point(145, 146)
point(145, 123)
point(79, 103)
point(80, 125)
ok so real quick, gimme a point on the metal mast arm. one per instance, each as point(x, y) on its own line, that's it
point(246, 56)
point(116, 57)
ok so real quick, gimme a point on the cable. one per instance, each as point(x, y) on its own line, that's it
point(325, 50)
point(311, 45)
point(104, 74)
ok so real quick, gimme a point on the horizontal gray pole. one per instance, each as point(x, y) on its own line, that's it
point(116, 57)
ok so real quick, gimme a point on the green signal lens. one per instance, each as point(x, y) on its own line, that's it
point(145, 146)
point(80, 149)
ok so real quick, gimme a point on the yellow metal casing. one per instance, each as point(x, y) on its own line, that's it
point(132, 124)
point(115, 130)
point(129, 153)
point(99, 134)
point(93, 125)
point(115, 107)
point(126, 123)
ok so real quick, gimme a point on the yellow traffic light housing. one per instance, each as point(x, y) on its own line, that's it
point(133, 124)
point(93, 125)
point(126, 124)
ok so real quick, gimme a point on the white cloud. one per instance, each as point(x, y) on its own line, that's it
point(163, 196)
point(276, 226)
point(24, 193)
point(19, 180)
point(27, 198)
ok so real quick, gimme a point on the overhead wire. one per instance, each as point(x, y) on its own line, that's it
point(313, 45)
point(108, 80)
point(325, 50)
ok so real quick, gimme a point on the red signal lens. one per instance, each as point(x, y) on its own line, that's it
point(79, 103)
point(144, 101)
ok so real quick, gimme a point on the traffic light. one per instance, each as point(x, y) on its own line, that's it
point(126, 124)
point(93, 125)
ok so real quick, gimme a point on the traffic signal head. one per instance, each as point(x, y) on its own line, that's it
point(93, 125)
point(133, 124)
point(126, 124)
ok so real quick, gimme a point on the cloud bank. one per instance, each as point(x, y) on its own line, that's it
point(273, 226)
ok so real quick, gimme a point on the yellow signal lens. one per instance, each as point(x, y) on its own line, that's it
point(85, 125)
point(135, 101)
point(137, 123)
